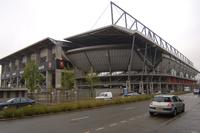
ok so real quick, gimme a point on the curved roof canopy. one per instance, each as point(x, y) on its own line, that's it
point(113, 37)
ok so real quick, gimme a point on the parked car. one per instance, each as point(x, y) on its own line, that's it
point(104, 95)
point(166, 104)
point(195, 91)
point(16, 102)
point(132, 94)
point(158, 92)
point(187, 89)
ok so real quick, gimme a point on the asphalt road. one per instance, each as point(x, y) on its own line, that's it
point(127, 118)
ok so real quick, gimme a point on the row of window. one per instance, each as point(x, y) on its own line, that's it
point(8, 94)
point(8, 67)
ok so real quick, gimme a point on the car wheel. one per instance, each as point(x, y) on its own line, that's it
point(29, 105)
point(151, 113)
point(174, 112)
point(183, 110)
point(5, 107)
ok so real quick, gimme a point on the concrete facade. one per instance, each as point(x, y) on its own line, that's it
point(45, 53)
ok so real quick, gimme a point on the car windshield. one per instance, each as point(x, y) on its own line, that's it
point(162, 99)
point(102, 94)
point(10, 100)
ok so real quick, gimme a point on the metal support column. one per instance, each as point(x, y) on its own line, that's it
point(167, 87)
point(131, 57)
point(160, 84)
point(151, 88)
point(144, 65)
point(125, 20)
point(111, 7)
point(110, 70)
point(154, 60)
point(145, 54)
point(130, 63)
point(17, 82)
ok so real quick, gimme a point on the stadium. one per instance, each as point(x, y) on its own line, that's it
point(125, 54)
point(130, 56)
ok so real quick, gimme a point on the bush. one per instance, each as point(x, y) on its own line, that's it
point(70, 106)
point(9, 113)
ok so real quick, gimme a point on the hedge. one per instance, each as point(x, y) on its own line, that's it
point(39, 109)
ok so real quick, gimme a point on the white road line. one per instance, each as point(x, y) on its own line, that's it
point(145, 115)
point(124, 121)
point(80, 118)
point(139, 116)
point(194, 132)
point(87, 132)
point(113, 124)
point(129, 108)
point(101, 128)
point(131, 119)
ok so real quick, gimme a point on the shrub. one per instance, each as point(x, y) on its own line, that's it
point(9, 113)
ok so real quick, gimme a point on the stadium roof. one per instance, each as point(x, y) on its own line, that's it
point(113, 34)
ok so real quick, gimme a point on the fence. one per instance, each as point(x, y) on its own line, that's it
point(53, 97)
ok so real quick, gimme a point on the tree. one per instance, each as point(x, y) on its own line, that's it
point(32, 76)
point(68, 79)
point(92, 78)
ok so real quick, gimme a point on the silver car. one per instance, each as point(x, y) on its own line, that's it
point(166, 104)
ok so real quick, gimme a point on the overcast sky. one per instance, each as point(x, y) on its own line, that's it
point(24, 22)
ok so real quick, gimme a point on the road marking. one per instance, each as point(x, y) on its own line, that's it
point(139, 116)
point(131, 119)
point(80, 118)
point(194, 132)
point(124, 121)
point(113, 124)
point(129, 108)
point(101, 128)
point(87, 132)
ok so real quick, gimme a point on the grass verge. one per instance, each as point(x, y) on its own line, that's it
point(39, 109)
point(12, 113)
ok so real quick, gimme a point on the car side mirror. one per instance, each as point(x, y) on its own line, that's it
point(181, 100)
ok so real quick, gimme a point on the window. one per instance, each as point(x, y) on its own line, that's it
point(23, 100)
point(17, 93)
point(162, 99)
point(8, 94)
point(16, 100)
point(42, 60)
point(174, 99)
point(53, 56)
point(23, 93)
point(1, 94)
point(3, 68)
point(178, 99)
point(23, 65)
